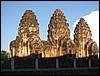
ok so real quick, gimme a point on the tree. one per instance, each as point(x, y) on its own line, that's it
point(4, 56)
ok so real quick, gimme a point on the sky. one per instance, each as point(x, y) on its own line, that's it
point(12, 12)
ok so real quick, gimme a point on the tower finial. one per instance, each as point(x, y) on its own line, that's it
point(58, 8)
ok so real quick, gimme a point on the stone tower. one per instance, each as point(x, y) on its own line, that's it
point(59, 43)
point(28, 39)
point(58, 27)
point(82, 39)
point(58, 32)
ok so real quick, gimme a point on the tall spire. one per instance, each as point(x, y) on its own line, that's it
point(58, 26)
point(82, 30)
point(28, 19)
point(82, 38)
point(28, 34)
point(29, 23)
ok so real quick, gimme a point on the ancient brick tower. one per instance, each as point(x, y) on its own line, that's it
point(82, 38)
point(59, 33)
point(28, 39)
point(59, 42)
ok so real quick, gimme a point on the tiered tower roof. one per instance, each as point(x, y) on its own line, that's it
point(58, 26)
point(82, 31)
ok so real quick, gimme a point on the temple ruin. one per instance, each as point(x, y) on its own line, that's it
point(59, 43)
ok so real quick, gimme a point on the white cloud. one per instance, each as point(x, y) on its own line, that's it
point(93, 21)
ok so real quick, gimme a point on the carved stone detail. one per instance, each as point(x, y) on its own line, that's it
point(59, 42)
point(82, 39)
point(28, 33)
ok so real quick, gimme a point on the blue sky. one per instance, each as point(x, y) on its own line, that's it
point(12, 11)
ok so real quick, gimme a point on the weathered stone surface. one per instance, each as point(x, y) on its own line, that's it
point(59, 42)
point(28, 39)
point(58, 32)
point(83, 41)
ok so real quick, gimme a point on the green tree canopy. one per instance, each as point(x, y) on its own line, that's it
point(4, 55)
